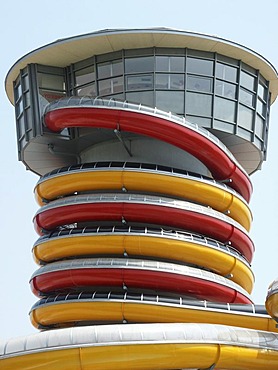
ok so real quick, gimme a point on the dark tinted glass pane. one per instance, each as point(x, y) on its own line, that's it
point(143, 97)
point(84, 76)
point(226, 72)
point(170, 64)
point(199, 83)
point(140, 82)
point(141, 64)
point(225, 89)
point(245, 117)
point(172, 101)
point(247, 80)
point(169, 81)
point(246, 97)
point(198, 104)
point(109, 69)
point(224, 109)
point(200, 66)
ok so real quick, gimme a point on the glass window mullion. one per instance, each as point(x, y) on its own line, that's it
point(255, 106)
point(237, 96)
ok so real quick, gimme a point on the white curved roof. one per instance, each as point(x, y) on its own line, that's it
point(65, 51)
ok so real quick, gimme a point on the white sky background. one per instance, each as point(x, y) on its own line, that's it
point(26, 25)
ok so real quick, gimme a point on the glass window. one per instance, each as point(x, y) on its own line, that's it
point(110, 86)
point(27, 99)
point(198, 104)
point(28, 119)
point(169, 81)
point(85, 76)
point(199, 83)
point(247, 80)
point(225, 89)
point(226, 72)
point(115, 97)
point(201, 121)
point(245, 117)
point(48, 95)
point(88, 90)
point(224, 109)
point(259, 129)
point(141, 97)
point(262, 91)
point(19, 107)
point(109, 69)
point(52, 82)
point(21, 127)
point(246, 97)
point(139, 82)
point(140, 64)
point(244, 133)
point(18, 91)
point(200, 66)
point(169, 64)
point(224, 126)
point(261, 107)
point(170, 101)
point(26, 82)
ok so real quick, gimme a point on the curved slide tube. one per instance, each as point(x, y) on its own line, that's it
point(144, 209)
point(73, 275)
point(99, 307)
point(144, 346)
point(170, 129)
point(113, 177)
point(159, 244)
point(271, 303)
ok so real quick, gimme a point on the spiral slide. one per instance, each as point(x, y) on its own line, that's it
point(144, 346)
point(173, 130)
point(132, 254)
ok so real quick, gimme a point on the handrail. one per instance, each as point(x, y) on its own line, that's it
point(87, 101)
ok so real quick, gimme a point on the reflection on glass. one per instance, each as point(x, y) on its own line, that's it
point(110, 86)
point(109, 69)
point(245, 117)
point(19, 107)
point(140, 82)
point(85, 76)
point(259, 129)
point(224, 109)
point(26, 83)
point(262, 91)
point(225, 89)
point(226, 72)
point(169, 81)
point(27, 99)
point(198, 104)
point(246, 97)
point(18, 91)
point(21, 127)
point(247, 81)
point(52, 82)
point(172, 101)
point(199, 83)
point(47, 96)
point(143, 97)
point(169, 64)
point(88, 90)
point(261, 107)
point(140, 64)
point(200, 66)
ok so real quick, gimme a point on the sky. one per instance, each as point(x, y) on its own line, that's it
point(27, 25)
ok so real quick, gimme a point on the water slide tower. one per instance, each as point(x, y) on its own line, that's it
point(144, 141)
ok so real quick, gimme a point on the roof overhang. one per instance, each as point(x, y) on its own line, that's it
point(65, 51)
